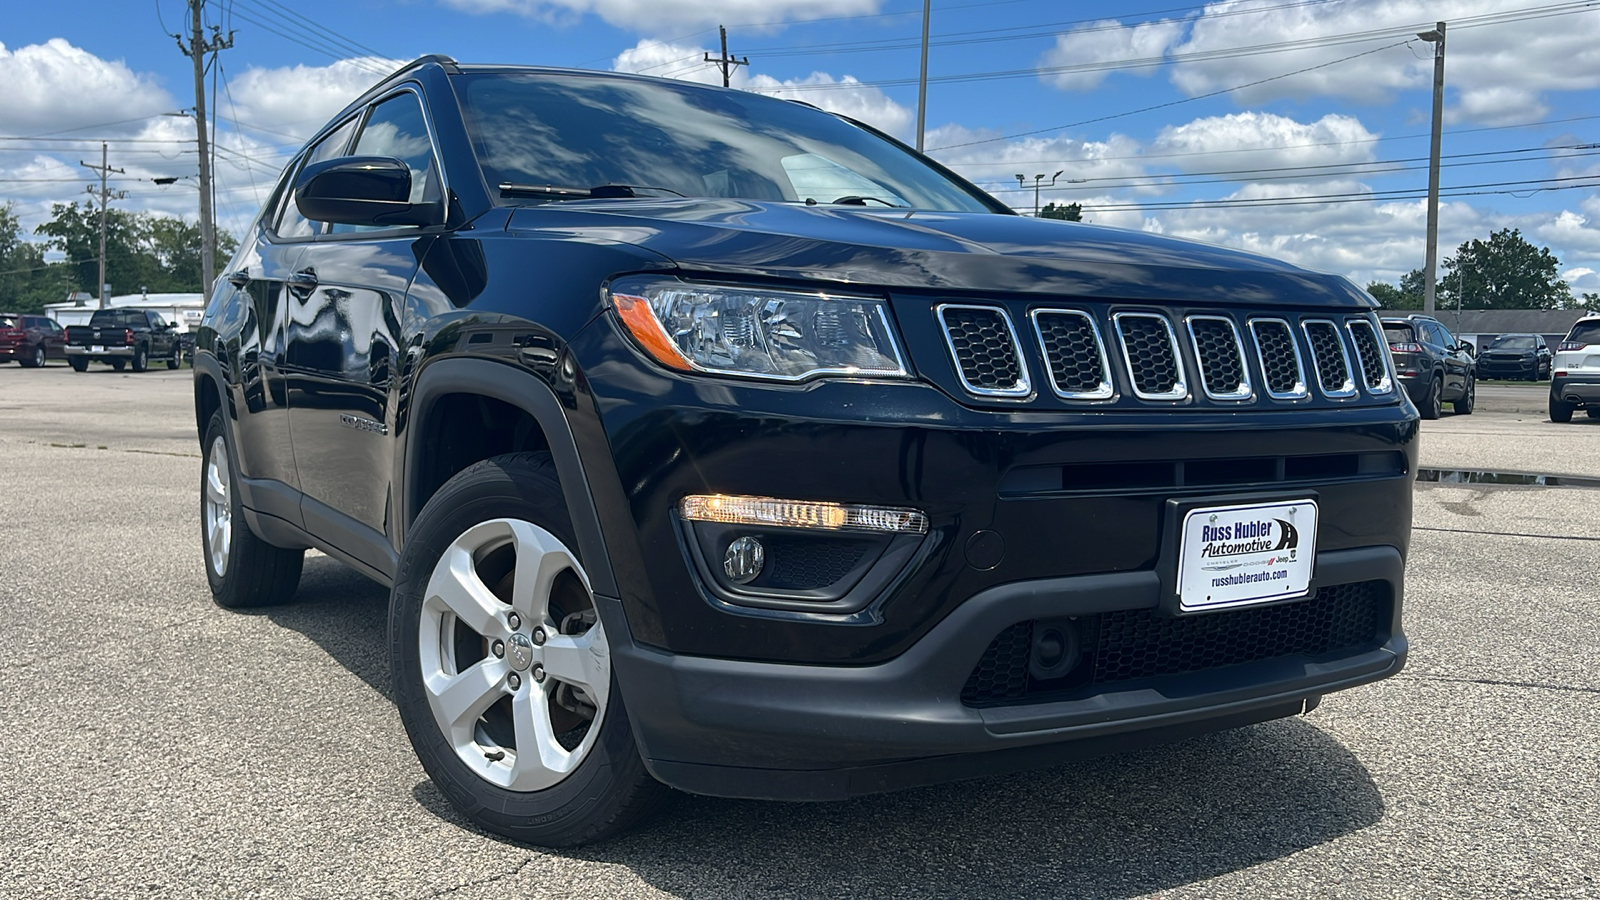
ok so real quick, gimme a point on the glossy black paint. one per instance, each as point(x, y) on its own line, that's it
point(347, 327)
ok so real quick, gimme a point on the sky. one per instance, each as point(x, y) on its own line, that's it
point(1294, 128)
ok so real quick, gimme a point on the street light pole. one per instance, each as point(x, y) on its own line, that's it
point(1036, 180)
point(922, 81)
point(1430, 278)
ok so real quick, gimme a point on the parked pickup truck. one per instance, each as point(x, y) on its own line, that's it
point(121, 336)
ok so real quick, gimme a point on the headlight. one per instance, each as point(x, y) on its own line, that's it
point(782, 335)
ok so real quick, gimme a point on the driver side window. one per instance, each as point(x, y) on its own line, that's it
point(398, 129)
point(290, 223)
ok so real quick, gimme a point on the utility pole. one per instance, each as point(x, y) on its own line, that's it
point(104, 195)
point(727, 63)
point(922, 80)
point(196, 49)
point(1436, 38)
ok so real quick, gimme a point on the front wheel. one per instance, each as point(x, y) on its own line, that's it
point(502, 670)
point(1469, 398)
point(1559, 411)
point(78, 363)
point(177, 357)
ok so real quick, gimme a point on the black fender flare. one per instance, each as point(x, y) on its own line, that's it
point(533, 396)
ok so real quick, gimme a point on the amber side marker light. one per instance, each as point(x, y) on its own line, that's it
point(641, 323)
point(735, 510)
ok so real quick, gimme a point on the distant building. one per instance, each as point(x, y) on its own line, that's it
point(183, 310)
point(1480, 326)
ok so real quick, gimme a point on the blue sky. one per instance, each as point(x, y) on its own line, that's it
point(1290, 127)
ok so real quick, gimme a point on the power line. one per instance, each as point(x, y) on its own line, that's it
point(1529, 186)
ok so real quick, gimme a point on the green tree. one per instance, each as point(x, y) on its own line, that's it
point(144, 251)
point(1070, 212)
point(27, 282)
point(1504, 272)
point(1408, 295)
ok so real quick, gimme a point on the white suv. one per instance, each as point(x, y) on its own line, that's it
point(1575, 374)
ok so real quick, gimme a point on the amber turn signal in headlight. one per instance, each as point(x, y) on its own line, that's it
point(734, 510)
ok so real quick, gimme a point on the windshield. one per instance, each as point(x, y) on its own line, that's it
point(1399, 333)
point(584, 131)
point(1513, 342)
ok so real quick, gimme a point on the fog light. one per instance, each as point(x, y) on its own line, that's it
point(744, 560)
point(733, 510)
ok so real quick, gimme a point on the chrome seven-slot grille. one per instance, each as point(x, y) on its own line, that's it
point(1336, 356)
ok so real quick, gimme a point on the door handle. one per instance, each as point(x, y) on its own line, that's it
point(304, 280)
point(240, 278)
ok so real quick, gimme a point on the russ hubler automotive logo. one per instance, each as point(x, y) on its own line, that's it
point(1226, 541)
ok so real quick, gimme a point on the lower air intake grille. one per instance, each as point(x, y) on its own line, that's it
point(1132, 644)
point(985, 349)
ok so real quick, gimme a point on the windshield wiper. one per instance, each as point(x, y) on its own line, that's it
point(861, 200)
point(557, 192)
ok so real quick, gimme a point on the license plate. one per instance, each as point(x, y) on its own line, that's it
point(97, 348)
point(1252, 553)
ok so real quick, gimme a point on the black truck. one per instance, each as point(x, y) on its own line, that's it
point(710, 440)
point(124, 337)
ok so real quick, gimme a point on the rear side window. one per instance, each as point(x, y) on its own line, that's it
point(1398, 333)
point(1586, 332)
point(290, 223)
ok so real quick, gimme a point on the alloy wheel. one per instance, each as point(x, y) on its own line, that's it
point(514, 661)
point(218, 512)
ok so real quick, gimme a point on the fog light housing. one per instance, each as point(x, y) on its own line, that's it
point(744, 560)
point(738, 510)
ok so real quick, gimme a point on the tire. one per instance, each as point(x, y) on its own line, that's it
point(1559, 411)
point(119, 363)
point(244, 571)
point(589, 782)
point(141, 359)
point(177, 357)
point(78, 363)
point(1469, 398)
point(34, 360)
point(1432, 406)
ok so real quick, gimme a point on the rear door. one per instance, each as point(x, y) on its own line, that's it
point(343, 341)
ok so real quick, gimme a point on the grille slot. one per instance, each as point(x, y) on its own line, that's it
point(1127, 645)
point(1074, 354)
point(1150, 349)
point(984, 345)
point(1280, 358)
point(811, 563)
point(1374, 367)
point(1330, 359)
point(1221, 357)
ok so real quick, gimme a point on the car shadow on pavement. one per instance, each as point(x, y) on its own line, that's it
point(1118, 826)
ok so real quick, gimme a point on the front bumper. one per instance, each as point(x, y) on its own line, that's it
point(107, 353)
point(1491, 369)
point(1581, 389)
point(740, 728)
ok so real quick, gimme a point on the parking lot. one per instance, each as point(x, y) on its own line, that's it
point(154, 744)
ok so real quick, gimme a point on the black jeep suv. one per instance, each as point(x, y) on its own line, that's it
point(711, 440)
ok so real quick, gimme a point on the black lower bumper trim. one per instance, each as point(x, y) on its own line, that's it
point(786, 731)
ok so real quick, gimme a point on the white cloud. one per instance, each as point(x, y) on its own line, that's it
point(994, 165)
point(54, 87)
point(1256, 140)
point(1106, 41)
point(292, 102)
point(654, 16)
point(1491, 72)
point(844, 95)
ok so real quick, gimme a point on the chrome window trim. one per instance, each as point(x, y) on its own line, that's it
point(1246, 390)
point(1180, 390)
point(1301, 390)
point(1106, 390)
point(1385, 385)
point(1022, 389)
point(1349, 389)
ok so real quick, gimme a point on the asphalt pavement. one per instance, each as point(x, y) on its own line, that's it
point(152, 744)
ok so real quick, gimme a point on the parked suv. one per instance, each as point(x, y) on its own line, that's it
point(1433, 366)
point(1516, 356)
point(30, 340)
point(710, 440)
point(1575, 383)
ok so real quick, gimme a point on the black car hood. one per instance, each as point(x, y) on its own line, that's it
point(896, 249)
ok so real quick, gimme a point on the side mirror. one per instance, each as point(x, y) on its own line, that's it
point(362, 190)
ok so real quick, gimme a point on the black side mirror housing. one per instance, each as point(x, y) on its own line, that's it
point(362, 190)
